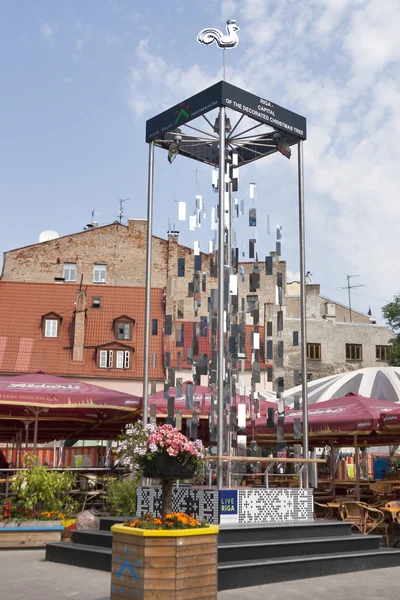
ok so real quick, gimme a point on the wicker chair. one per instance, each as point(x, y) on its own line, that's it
point(322, 511)
point(353, 512)
point(374, 521)
point(365, 518)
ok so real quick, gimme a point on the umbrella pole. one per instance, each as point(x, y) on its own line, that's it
point(26, 436)
point(35, 431)
point(333, 470)
point(357, 468)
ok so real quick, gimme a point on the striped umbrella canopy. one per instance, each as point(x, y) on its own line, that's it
point(382, 383)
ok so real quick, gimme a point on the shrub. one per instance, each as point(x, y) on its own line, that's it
point(40, 490)
point(121, 496)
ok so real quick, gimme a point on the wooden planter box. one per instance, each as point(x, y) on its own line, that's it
point(164, 565)
point(29, 534)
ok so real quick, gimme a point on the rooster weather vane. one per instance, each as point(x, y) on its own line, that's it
point(210, 35)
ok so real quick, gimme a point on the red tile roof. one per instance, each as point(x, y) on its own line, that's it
point(23, 348)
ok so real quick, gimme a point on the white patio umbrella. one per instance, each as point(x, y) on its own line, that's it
point(382, 383)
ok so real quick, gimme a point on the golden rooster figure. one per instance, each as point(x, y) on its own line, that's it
point(210, 35)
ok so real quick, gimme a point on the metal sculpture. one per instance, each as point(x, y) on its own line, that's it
point(210, 35)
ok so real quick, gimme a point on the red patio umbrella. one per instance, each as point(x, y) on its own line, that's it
point(390, 421)
point(201, 394)
point(66, 408)
point(352, 415)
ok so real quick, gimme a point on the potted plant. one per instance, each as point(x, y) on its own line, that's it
point(157, 555)
point(32, 515)
point(161, 452)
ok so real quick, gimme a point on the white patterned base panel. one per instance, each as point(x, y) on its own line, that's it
point(201, 502)
point(275, 505)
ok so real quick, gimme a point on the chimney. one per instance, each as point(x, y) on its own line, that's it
point(173, 246)
point(330, 311)
point(79, 327)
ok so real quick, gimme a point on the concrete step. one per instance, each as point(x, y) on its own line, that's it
point(80, 555)
point(107, 522)
point(299, 547)
point(247, 573)
point(93, 537)
point(282, 531)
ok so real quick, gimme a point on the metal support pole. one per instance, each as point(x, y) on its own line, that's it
point(35, 430)
point(221, 273)
point(333, 470)
point(148, 283)
point(357, 467)
point(303, 314)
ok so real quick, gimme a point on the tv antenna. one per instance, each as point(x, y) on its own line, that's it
point(121, 207)
point(349, 287)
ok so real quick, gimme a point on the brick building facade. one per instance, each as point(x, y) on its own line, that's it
point(114, 257)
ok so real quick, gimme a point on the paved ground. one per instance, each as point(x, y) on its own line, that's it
point(25, 576)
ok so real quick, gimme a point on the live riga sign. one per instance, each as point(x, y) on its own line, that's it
point(226, 94)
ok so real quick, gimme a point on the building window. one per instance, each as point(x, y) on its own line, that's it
point(295, 338)
point(181, 267)
point(51, 328)
point(313, 351)
point(96, 301)
point(383, 353)
point(69, 271)
point(106, 359)
point(123, 331)
point(99, 273)
point(122, 359)
point(353, 352)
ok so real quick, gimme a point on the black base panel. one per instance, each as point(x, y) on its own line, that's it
point(290, 548)
point(238, 575)
point(282, 531)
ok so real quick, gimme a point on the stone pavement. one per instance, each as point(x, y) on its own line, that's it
point(24, 575)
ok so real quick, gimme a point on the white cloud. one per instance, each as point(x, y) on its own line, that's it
point(47, 31)
point(338, 64)
point(292, 275)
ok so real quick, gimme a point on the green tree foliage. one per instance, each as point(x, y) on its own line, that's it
point(391, 313)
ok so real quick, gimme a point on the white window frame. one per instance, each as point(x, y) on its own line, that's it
point(120, 360)
point(106, 359)
point(123, 359)
point(51, 328)
point(103, 359)
point(69, 268)
point(99, 273)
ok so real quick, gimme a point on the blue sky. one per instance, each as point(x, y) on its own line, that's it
point(79, 80)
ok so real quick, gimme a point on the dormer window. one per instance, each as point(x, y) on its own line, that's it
point(123, 331)
point(51, 328)
point(51, 325)
point(114, 359)
point(123, 327)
